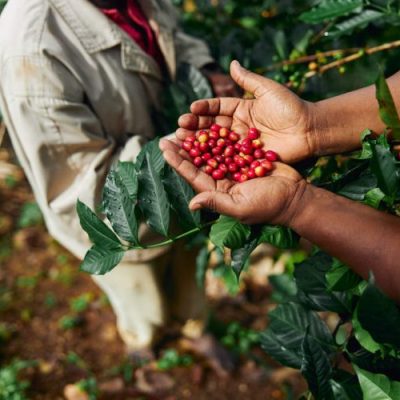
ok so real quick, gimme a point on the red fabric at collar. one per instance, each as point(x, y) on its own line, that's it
point(133, 21)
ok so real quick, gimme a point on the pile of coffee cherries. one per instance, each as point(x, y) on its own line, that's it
point(222, 154)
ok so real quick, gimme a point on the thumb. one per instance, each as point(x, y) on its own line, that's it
point(251, 82)
point(220, 202)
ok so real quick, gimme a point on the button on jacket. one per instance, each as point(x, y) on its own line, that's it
point(77, 93)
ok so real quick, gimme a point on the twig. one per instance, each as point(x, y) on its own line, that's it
point(353, 57)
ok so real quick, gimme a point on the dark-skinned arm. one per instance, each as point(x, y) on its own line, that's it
point(365, 239)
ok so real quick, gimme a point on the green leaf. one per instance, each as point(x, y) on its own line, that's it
point(279, 236)
point(202, 260)
point(363, 336)
point(358, 21)
point(349, 383)
point(359, 187)
point(152, 196)
point(119, 208)
point(329, 9)
point(316, 368)
point(99, 233)
point(128, 175)
point(374, 197)
point(377, 386)
point(229, 278)
point(152, 151)
point(100, 260)
point(179, 194)
point(340, 277)
point(241, 256)
point(310, 276)
point(284, 287)
point(229, 232)
point(373, 362)
point(387, 108)
point(277, 349)
point(373, 305)
point(383, 165)
point(289, 322)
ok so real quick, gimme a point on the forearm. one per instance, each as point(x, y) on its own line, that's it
point(365, 239)
point(339, 121)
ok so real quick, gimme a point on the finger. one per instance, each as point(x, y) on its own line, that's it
point(251, 82)
point(182, 133)
point(285, 171)
point(171, 145)
point(220, 106)
point(198, 179)
point(219, 202)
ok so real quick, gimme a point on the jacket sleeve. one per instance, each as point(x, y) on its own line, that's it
point(191, 50)
point(60, 143)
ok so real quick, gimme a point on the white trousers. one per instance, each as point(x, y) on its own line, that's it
point(145, 296)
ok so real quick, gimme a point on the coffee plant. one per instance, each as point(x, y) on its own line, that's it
point(318, 48)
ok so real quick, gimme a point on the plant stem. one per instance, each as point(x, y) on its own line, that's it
point(173, 239)
point(353, 57)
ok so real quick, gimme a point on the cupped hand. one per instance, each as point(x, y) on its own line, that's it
point(284, 120)
point(272, 199)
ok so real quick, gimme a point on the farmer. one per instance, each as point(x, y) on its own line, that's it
point(362, 237)
point(80, 81)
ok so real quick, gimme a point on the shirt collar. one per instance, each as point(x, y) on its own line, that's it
point(96, 32)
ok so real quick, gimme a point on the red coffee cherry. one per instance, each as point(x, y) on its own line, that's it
point(254, 164)
point(253, 133)
point(246, 149)
point(219, 158)
point(194, 153)
point(203, 137)
point(259, 153)
point(267, 165)
point(233, 136)
point(256, 144)
point(260, 171)
point(241, 162)
point(251, 174)
point(198, 162)
point(187, 146)
point(236, 176)
point(213, 135)
point(212, 143)
point(223, 167)
point(208, 170)
point(224, 132)
point(243, 178)
point(215, 127)
point(206, 156)
point(270, 155)
point(221, 142)
point(232, 168)
point(246, 142)
point(228, 160)
point(218, 174)
point(229, 151)
point(248, 158)
point(213, 163)
point(190, 138)
point(217, 150)
point(203, 147)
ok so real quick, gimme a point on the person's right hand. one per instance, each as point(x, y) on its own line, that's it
point(273, 199)
point(284, 120)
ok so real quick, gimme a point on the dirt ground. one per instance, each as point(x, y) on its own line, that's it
point(55, 315)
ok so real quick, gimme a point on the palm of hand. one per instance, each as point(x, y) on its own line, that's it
point(255, 201)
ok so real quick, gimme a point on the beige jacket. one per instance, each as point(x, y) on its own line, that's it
point(76, 94)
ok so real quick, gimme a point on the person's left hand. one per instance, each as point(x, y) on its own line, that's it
point(273, 199)
point(223, 85)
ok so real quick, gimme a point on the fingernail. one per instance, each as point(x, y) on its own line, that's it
point(237, 63)
point(194, 206)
